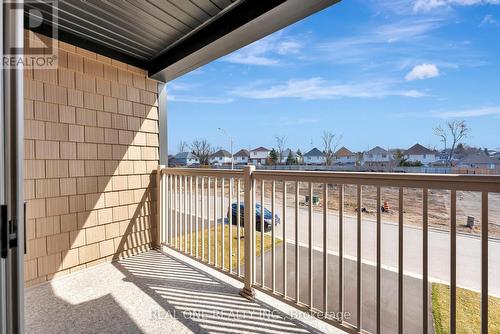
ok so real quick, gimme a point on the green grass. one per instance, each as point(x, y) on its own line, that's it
point(468, 311)
point(234, 238)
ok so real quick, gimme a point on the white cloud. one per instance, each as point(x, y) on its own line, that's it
point(423, 71)
point(249, 59)
point(180, 86)
point(320, 89)
point(488, 19)
point(428, 5)
point(380, 44)
point(290, 121)
point(477, 112)
point(265, 52)
point(201, 99)
point(288, 47)
point(406, 30)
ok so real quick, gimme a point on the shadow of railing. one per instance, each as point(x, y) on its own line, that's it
point(201, 302)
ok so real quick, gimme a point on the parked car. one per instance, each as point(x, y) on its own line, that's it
point(268, 216)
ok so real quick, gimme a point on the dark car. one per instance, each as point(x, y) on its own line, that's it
point(268, 216)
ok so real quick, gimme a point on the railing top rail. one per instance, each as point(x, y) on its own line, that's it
point(203, 172)
point(488, 183)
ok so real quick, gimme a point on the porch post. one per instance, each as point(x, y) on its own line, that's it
point(249, 228)
point(163, 162)
point(163, 121)
point(160, 196)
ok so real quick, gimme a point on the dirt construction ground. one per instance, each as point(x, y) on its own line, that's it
point(468, 204)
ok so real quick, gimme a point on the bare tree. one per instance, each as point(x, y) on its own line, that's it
point(182, 146)
point(280, 144)
point(330, 143)
point(202, 149)
point(453, 133)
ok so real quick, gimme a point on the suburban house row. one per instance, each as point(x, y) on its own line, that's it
point(376, 157)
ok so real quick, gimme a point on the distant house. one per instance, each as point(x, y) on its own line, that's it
point(186, 159)
point(495, 153)
point(171, 160)
point(314, 157)
point(479, 160)
point(241, 157)
point(443, 154)
point(259, 156)
point(219, 158)
point(286, 153)
point(344, 156)
point(420, 153)
point(377, 156)
point(492, 153)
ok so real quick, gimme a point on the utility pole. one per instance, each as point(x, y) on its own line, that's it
point(231, 144)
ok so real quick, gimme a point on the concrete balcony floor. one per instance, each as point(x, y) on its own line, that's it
point(153, 293)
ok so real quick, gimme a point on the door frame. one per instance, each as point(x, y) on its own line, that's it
point(12, 170)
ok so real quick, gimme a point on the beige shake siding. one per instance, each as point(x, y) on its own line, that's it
point(91, 149)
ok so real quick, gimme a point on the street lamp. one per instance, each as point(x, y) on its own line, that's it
point(231, 141)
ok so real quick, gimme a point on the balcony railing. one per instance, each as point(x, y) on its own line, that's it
point(319, 258)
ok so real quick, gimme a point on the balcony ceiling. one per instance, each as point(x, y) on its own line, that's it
point(167, 37)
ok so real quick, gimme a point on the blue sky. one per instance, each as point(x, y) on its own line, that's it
point(374, 72)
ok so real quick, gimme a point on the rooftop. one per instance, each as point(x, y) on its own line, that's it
point(185, 155)
point(242, 153)
point(221, 153)
point(260, 149)
point(479, 158)
point(377, 150)
point(418, 149)
point(343, 152)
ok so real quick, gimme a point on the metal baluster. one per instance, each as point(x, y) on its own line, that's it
point(202, 218)
point(262, 209)
point(425, 260)
point(176, 205)
point(197, 222)
point(273, 236)
point(171, 212)
point(254, 236)
point(230, 222)
point(341, 252)
point(297, 241)
point(358, 262)
point(181, 214)
point(453, 261)
point(223, 227)
point(325, 248)
point(216, 224)
point(166, 202)
point(310, 247)
point(238, 223)
point(379, 259)
point(484, 262)
point(185, 213)
point(283, 223)
point(190, 215)
point(208, 221)
point(400, 260)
